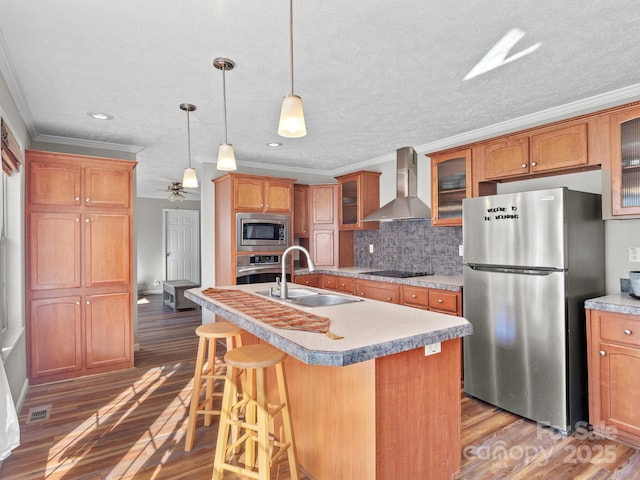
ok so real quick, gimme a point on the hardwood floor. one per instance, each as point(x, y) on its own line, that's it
point(132, 424)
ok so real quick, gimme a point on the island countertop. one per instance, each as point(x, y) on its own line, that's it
point(370, 328)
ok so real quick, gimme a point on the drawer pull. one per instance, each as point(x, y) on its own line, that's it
point(88, 199)
point(627, 332)
point(533, 164)
point(524, 165)
point(440, 300)
point(602, 353)
point(414, 296)
point(388, 299)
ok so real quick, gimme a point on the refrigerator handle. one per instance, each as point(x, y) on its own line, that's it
point(514, 270)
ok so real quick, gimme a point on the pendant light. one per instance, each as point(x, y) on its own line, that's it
point(226, 157)
point(292, 123)
point(189, 179)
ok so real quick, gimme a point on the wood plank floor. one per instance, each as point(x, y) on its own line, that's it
point(132, 424)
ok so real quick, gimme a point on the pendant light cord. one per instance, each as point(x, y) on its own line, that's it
point(291, 40)
point(224, 97)
point(189, 137)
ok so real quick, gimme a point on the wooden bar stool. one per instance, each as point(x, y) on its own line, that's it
point(251, 414)
point(208, 369)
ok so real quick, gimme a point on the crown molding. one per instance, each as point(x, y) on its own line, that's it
point(77, 142)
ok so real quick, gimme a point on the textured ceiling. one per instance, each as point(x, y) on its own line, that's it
point(374, 75)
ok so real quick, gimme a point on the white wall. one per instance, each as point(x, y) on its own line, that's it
point(148, 234)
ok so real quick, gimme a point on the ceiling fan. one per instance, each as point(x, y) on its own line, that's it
point(177, 192)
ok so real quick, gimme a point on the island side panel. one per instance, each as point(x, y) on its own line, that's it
point(418, 417)
point(333, 412)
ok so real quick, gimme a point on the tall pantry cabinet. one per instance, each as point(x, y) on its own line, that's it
point(79, 280)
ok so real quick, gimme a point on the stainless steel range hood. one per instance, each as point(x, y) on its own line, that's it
point(407, 205)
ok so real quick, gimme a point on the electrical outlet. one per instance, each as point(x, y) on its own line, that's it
point(431, 349)
point(634, 254)
point(461, 250)
point(371, 249)
point(156, 283)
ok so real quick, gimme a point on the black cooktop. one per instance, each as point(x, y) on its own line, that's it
point(397, 273)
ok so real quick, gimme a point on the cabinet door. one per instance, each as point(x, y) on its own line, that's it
point(300, 215)
point(323, 204)
point(625, 162)
point(248, 194)
point(107, 187)
point(278, 196)
point(559, 148)
point(323, 248)
point(108, 329)
point(619, 395)
point(54, 257)
point(54, 184)
point(56, 336)
point(385, 292)
point(444, 301)
point(506, 158)
point(330, 282)
point(417, 297)
point(450, 184)
point(107, 239)
point(312, 280)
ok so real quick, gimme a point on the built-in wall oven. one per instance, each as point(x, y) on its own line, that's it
point(259, 269)
point(260, 232)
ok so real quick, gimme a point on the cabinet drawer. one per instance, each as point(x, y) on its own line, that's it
point(308, 280)
point(620, 329)
point(378, 291)
point(345, 284)
point(443, 301)
point(330, 282)
point(415, 296)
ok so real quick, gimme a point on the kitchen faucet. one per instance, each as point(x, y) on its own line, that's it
point(283, 282)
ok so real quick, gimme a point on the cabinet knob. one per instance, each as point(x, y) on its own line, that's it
point(77, 219)
point(602, 353)
point(88, 302)
point(414, 295)
point(524, 165)
point(440, 300)
point(362, 294)
point(388, 299)
point(627, 332)
point(533, 164)
point(86, 220)
point(77, 199)
point(77, 303)
point(88, 199)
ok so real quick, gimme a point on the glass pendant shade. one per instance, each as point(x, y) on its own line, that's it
point(226, 158)
point(292, 123)
point(189, 179)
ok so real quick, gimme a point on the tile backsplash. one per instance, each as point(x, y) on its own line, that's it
point(410, 245)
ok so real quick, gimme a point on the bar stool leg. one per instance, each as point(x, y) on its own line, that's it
point(223, 428)
point(286, 420)
point(264, 455)
point(195, 395)
point(210, 369)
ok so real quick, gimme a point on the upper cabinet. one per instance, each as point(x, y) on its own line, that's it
point(544, 150)
point(300, 211)
point(262, 194)
point(450, 184)
point(359, 196)
point(625, 162)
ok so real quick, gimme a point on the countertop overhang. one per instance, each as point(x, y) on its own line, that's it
point(370, 328)
point(616, 303)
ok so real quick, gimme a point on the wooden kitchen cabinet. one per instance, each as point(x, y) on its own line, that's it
point(78, 257)
point(386, 292)
point(559, 147)
point(436, 300)
point(613, 351)
point(252, 193)
point(309, 280)
point(359, 195)
point(329, 282)
point(450, 184)
point(625, 162)
point(324, 243)
point(506, 158)
point(345, 284)
point(301, 211)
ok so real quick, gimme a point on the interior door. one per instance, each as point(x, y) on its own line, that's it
point(182, 245)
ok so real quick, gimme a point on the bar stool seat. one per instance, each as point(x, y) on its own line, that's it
point(208, 369)
point(248, 416)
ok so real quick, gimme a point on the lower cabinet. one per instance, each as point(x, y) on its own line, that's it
point(385, 292)
point(311, 280)
point(77, 335)
point(614, 367)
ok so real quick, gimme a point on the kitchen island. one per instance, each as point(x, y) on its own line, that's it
point(370, 405)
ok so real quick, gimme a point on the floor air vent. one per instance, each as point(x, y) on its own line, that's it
point(37, 414)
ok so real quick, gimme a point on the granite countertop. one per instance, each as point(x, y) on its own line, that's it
point(370, 328)
point(441, 282)
point(617, 303)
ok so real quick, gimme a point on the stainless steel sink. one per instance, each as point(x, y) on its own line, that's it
point(324, 300)
point(293, 293)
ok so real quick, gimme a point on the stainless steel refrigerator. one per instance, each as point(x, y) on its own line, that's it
point(530, 260)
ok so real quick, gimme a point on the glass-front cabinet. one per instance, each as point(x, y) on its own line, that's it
point(359, 196)
point(450, 184)
point(625, 162)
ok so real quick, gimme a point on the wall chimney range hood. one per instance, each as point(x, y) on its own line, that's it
point(407, 205)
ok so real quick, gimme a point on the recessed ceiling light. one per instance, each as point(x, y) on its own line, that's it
point(274, 144)
point(100, 115)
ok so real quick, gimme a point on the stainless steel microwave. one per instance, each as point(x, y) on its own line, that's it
point(256, 232)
